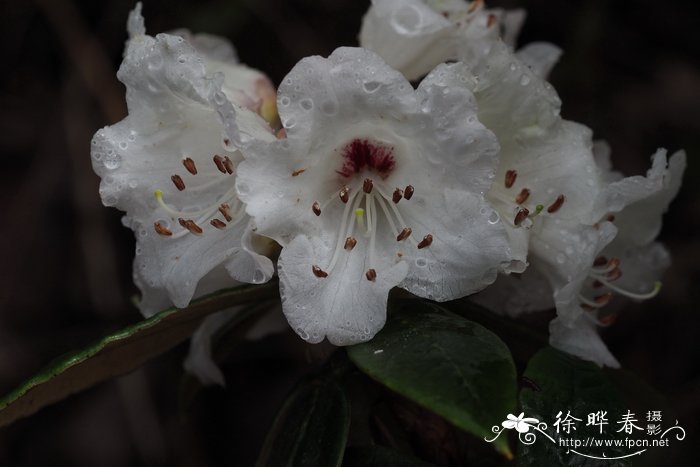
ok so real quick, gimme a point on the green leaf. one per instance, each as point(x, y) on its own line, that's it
point(121, 352)
point(310, 430)
point(379, 456)
point(447, 364)
point(561, 382)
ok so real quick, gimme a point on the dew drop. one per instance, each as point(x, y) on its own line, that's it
point(123, 145)
point(307, 104)
point(112, 162)
point(371, 86)
point(284, 101)
point(303, 334)
point(421, 262)
point(524, 80)
point(493, 217)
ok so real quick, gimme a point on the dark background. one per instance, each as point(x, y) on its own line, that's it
point(630, 71)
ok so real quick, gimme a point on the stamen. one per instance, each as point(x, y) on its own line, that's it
point(190, 225)
point(316, 208)
point(603, 299)
point(371, 275)
point(405, 233)
point(344, 194)
point(587, 307)
point(521, 216)
point(177, 180)
point(396, 197)
point(228, 165)
point(367, 185)
point(189, 165)
point(556, 205)
point(218, 224)
point(298, 172)
point(318, 272)
point(225, 211)
point(350, 243)
point(219, 161)
point(522, 196)
point(408, 192)
point(615, 274)
point(427, 240)
point(600, 261)
point(610, 218)
point(538, 210)
point(511, 175)
point(162, 230)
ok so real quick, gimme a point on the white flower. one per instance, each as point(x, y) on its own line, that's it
point(376, 185)
point(179, 142)
point(414, 36)
point(521, 423)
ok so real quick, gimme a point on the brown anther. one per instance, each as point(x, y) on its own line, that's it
point(228, 165)
point(344, 194)
point(588, 307)
point(600, 261)
point(398, 194)
point(350, 243)
point(610, 218)
point(427, 240)
point(404, 234)
point(614, 263)
point(177, 180)
point(191, 226)
point(189, 165)
point(219, 161)
point(556, 205)
point(296, 173)
point(371, 275)
point(607, 320)
point(226, 141)
point(316, 208)
point(615, 274)
point(491, 21)
point(603, 299)
point(511, 175)
point(367, 185)
point(521, 216)
point(218, 224)
point(225, 211)
point(318, 272)
point(522, 196)
point(408, 192)
point(162, 230)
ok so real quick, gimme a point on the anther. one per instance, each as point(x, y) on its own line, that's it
point(556, 205)
point(427, 240)
point(318, 272)
point(177, 180)
point(614, 275)
point(367, 185)
point(610, 218)
point(162, 230)
point(398, 194)
point(408, 192)
point(296, 173)
point(316, 208)
point(191, 226)
point(228, 165)
point(344, 196)
point(189, 165)
point(522, 196)
point(225, 211)
point(521, 216)
point(404, 234)
point(511, 175)
point(219, 161)
point(350, 243)
point(600, 261)
point(614, 263)
point(218, 224)
point(371, 275)
point(603, 299)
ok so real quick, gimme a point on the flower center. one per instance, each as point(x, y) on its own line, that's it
point(361, 154)
point(228, 206)
point(523, 212)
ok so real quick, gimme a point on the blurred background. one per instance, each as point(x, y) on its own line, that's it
point(630, 71)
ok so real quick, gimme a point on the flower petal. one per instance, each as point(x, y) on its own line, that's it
point(540, 57)
point(581, 338)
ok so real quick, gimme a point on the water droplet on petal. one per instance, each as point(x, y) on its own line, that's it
point(371, 86)
point(524, 80)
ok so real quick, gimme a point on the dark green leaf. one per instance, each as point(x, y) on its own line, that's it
point(121, 352)
point(445, 363)
point(379, 456)
point(561, 382)
point(311, 429)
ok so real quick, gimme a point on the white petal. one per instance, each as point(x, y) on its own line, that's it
point(199, 361)
point(581, 339)
point(514, 294)
point(540, 57)
point(345, 307)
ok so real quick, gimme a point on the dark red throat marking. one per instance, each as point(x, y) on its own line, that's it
point(361, 153)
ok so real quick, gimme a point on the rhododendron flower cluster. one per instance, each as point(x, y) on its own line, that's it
point(433, 158)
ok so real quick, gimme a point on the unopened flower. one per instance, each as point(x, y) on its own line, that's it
point(414, 36)
point(375, 185)
point(171, 163)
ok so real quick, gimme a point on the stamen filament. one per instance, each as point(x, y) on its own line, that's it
point(627, 293)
